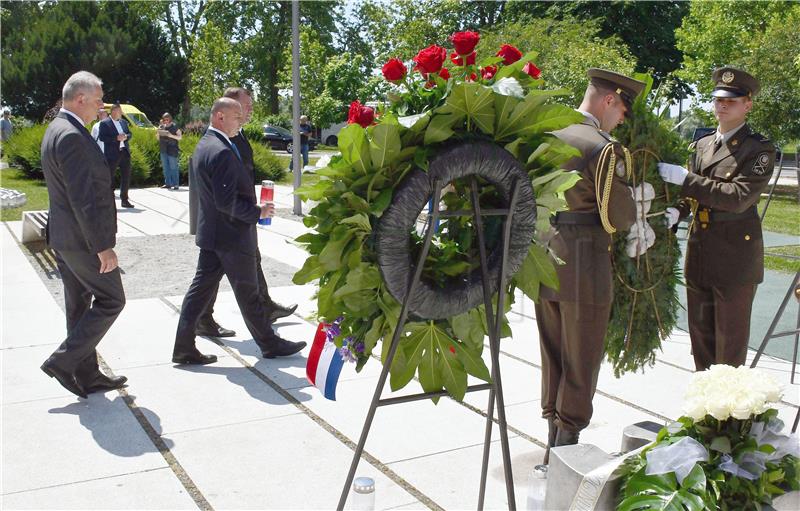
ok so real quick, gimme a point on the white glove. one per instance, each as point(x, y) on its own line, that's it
point(643, 195)
point(671, 215)
point(671, 173)
point(640, 237)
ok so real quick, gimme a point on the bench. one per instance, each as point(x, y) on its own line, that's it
point(34, 226)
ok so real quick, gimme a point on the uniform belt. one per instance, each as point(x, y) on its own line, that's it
point(570, 218)
point(726, 216)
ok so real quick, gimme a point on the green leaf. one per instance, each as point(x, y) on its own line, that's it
point(381, 202)
point(374, 334)
point(361, 221)
point(454, 378)
point(441, 127)
point(537, 268)
point(384, 147)
point(473, 363)
point(355, 147)
point(563, 181)
point(475, 102)
point(521, 116)
point(721, 444)
point(315, 191)
point(550, 118)
point(331, 256)
point(311, 271)
point(364, 277)
point(468, 328)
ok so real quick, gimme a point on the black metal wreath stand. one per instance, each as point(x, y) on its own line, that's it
point(493, 321)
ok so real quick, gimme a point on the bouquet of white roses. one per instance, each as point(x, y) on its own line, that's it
point(728, 452)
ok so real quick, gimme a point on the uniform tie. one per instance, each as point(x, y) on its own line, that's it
point(236, 151)
point(717, 143)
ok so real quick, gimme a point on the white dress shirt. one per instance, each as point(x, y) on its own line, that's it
point(119, 130)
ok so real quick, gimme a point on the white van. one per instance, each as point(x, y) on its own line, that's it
point(329, 135)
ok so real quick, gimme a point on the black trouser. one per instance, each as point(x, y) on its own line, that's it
point(263, 293)
point(87, 320)
point(124, 164)
point(241, 270)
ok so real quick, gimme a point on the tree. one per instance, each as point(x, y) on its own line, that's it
point(215, 66)
point(759, 37)
point(566, 49)
point(45, 43)
point(646, 28)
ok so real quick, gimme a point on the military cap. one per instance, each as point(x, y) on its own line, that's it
point(627, 88)
point(730, 82)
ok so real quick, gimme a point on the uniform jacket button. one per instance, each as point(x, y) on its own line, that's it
point(747, 237)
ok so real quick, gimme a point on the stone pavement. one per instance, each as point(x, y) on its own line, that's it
point(249, 433)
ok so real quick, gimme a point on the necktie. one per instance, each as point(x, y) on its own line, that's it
point(236, 151)
point(717, 144)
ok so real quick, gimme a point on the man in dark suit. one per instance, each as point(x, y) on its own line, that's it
point(227, 213)
point(207, 326)
point(81, 230)
point(115, 135)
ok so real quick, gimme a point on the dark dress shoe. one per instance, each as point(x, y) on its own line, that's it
point(281, 348)
point(193, 358)
point(212, 329)
point(278, 311)
point(103, 383)
point(126, 204)
point(565, 437)
point(67, 380)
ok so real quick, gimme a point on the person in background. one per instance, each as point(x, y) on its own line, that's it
point(5, 126)
point(116, 135)
point(168, 136)
point(305, 135)
point(102, 115)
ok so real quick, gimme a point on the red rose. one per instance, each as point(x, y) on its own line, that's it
point(472, 77)
point(444, 73)
point(394, 70)
point(531, 69)
point(430, 59)
point(509, 53)
point(488, 72)
point(465, 42)
point(459, 61)
point(360, 114)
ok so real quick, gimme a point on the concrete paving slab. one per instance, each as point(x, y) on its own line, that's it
point(452, 478)
point(23, 380)
point(281, 248)
point(66, 440)
point(143, 335)
point(283, 463)
point(147, 198)
point(196, 397)
point(149, 489)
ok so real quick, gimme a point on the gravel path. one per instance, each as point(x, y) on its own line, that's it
point(152, 266)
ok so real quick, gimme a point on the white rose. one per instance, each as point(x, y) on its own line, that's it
point(694, 408)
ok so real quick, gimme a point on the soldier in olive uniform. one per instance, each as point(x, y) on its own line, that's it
point(572, 321)
point(725, 253)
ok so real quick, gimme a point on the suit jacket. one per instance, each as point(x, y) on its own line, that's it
point(246, 151)
point(587, 276)
point(108, 135)
point(83, 215)
point(730, 180)
point(226, 199)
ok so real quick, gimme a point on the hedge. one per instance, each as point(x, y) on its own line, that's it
point(23, 150)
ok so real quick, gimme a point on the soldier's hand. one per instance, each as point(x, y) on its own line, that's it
point(671, 173)
point(108, 260)
point(671, 216)
point(267, 210)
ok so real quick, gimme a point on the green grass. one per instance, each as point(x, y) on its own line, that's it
point(782, 264)
point(783, 214)
point(34, 189)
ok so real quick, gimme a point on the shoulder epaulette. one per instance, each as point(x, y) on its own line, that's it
point(760, 138)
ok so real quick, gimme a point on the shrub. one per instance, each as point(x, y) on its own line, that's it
point(254, 131)
point(141, 172)
point(187, 145)
point(284, 121)
point(267, 165)
point(145, 157)
point(24, 150)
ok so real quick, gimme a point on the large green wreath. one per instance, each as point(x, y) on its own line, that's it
point(645, 307)
point(509, 109)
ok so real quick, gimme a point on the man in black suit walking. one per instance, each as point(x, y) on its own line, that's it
point(227, 213)
point(115, 135)
point(207, 326)
point(81, 230)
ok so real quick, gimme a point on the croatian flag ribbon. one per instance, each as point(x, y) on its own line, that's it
point(324, 364)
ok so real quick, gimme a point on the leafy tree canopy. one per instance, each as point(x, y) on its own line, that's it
point(44, 43)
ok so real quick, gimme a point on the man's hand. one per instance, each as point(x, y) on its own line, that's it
point(267, 210)
point(671, 216)
point(671, 173)
point(121, 137)
point(108, 260)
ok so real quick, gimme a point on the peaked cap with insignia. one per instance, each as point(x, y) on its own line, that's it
point(626, 87)
point(730, 82)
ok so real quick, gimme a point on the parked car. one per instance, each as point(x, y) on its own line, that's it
point(281, 138)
